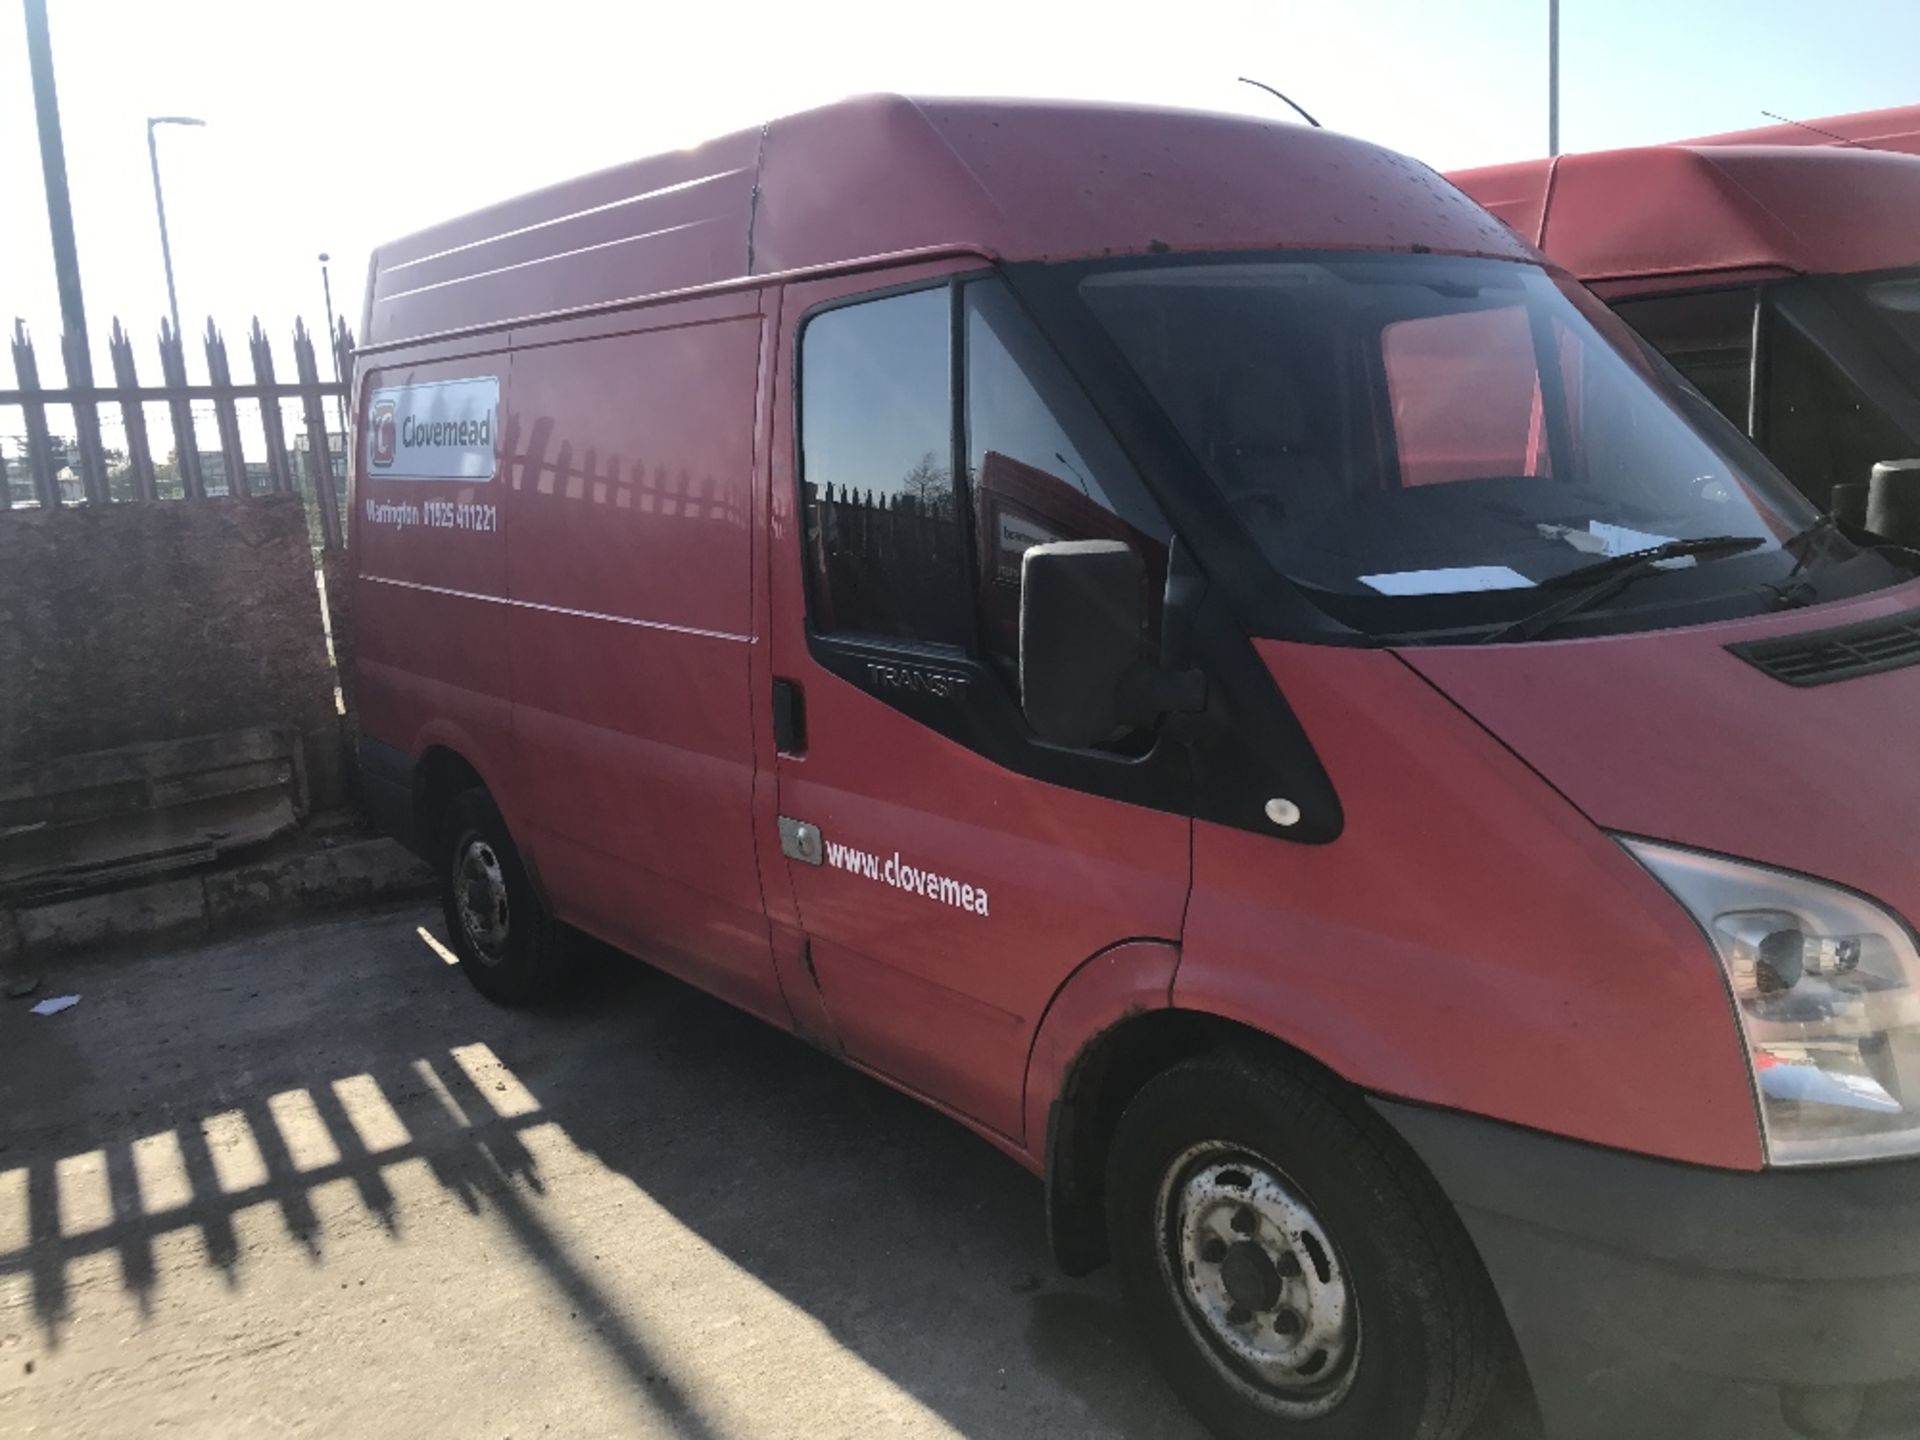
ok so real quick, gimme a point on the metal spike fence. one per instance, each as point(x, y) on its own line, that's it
point(88, 474)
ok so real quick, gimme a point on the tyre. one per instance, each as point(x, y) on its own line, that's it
point(510, 948)
point(1296, 1272)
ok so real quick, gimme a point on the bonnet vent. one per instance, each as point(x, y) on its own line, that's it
point(1822, 657)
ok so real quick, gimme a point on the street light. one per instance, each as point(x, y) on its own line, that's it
point(333, 348)
point(1553, 77)
point(160, 206)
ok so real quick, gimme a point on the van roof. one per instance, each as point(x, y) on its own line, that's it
point(886, 175)
point(1897, 128)
point(1614, 214)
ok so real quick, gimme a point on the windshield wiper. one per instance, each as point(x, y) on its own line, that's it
point(1798, 588)
point(1808, 541)
point(1854, 533)
point(1610, 576)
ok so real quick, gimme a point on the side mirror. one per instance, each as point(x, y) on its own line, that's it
point(1893, 501)
point(1850, 504)
point(1084, 672)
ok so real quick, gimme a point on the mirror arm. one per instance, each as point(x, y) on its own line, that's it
point(1186, 588)
point(1148, 691)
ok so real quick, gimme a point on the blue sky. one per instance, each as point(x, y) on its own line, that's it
point(334, 126)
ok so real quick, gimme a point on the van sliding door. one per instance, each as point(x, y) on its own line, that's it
point(629, 634)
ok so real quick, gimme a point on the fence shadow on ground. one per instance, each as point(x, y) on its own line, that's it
point(709, 1113)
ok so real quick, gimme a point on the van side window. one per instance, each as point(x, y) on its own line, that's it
point(876, 425)
point(1821, 429)
point(1466, 396)
point(1041, 467)
point(1708, 335)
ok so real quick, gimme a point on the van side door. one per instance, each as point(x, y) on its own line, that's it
point(951, 870)
point(629, 634)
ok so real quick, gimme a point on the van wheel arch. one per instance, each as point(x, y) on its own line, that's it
point(439, 775)
point(1109, 1071)
point(1106, 1075)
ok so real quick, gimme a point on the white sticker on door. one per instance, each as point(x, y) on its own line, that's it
point(444, 430)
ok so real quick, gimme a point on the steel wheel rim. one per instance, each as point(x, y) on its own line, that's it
point(1259, 1282)
point(480, 898)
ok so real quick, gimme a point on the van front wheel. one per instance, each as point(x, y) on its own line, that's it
point(510, 948)
point(1295, 1271)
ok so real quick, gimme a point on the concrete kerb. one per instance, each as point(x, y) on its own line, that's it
point(359, 872)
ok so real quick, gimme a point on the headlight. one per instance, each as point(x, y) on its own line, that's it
point(1827, 988)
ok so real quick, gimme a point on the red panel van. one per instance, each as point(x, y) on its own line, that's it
point(1783, 282)
point(1182, 642)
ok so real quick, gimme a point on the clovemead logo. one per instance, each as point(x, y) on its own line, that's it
point(382, 434)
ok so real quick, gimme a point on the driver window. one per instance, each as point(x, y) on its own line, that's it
point(1041, 467)
point(876, 425)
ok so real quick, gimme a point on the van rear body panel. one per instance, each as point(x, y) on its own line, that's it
point(431, 664)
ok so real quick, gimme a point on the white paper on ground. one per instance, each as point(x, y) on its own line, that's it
point(1454, 580)
point(53, 1005)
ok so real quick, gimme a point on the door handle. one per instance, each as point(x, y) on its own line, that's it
point(789, 718)
point(800, 841)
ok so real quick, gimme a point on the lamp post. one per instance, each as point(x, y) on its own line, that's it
point(333, 349)
point(53, 161)
point(160, 206)
point(1553, 77)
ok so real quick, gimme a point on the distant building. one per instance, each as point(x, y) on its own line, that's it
point(336, 452)
point(213, 473)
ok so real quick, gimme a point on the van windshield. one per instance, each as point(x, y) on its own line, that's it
point(1423, 441)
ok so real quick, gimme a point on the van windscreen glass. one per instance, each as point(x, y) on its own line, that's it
point(1421, 442)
